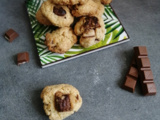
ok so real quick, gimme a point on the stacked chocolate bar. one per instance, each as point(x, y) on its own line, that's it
point(140, 69)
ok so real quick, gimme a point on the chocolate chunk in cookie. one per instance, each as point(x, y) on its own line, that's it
point(62, 102)
point(59, 11)
point(91, 22)
point(90, 29)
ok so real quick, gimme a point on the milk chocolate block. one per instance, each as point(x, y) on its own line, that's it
point(10, 35)
point(143, 62)
point(22, 58)
point(133, 72)
point(149, 89)
point(147, 75)
point(141, 51)
point(130, 84)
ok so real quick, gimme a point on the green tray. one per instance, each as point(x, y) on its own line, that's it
point(115, 34)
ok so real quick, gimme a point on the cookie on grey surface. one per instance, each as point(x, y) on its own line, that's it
point(61, 101)
point(58, 15)
point(41, 18)
point(105, 2)
point(89, 8)
point(91, 30)
point(69, 2)
point(61, 40)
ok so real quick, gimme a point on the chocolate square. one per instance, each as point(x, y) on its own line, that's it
point(149, 89)
point(130, 84)
point(133, 72)
point(144, 62)
point(147, 75)
point(141, 51)
point(10, 35)
point(22, 58)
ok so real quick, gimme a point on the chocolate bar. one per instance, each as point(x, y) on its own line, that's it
point(22, 58)
point(144, 69)
point(131, 77)
point(10, 35)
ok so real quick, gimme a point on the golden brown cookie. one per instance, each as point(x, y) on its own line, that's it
point(58, 15)
point(41, 18)
point(61, 101)
point(91, 29)
point(90, 8)
point(61, 40)
point(69, 2)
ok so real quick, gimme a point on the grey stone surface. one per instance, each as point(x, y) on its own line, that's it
point(97, 76)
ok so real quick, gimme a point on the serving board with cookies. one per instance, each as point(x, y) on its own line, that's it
point(66, 30)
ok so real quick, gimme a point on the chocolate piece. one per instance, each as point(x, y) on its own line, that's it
point(22, 58)
point(141, 51)
point(147, 75)
point(131, 78)
point(62, 102)
point(130, 84)
point(59, 11)
point(144, 62)
point(91, 22)
point(144, 69)
point(134, 63)
point(149, 89)
point(10, 35)
point(133, 72)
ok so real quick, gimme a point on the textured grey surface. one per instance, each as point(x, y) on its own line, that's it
point(97, 76)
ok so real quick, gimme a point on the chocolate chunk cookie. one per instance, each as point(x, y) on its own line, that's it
point(91, 29)
point(61, 40)
point(61, 101)
point(58, 15)
point(90, 8)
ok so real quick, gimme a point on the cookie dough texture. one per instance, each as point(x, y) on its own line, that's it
point(60, 21)
point(69, 2)
point(41, 18)
point(48, 96)
point(90, 8)
point(61, 40)
point(91, 30)
point(105, 2)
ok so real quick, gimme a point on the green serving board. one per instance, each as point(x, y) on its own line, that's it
point(115, 34)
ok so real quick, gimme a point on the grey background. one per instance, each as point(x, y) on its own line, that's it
point(97, 76)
